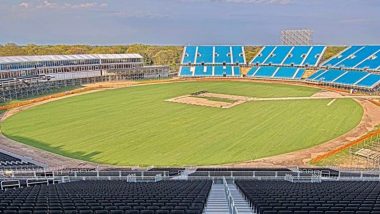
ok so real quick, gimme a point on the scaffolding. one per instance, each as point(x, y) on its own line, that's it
point(297, 37)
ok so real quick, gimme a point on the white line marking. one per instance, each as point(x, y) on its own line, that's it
point(331, 102)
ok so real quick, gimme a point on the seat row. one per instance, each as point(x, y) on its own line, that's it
point(276, 72)
point(346, 78)
point(213, 55)
point(216, 71)
point(357, 57)
point(9, 162)
point(108, 197)
point(289, 55)
point(326, 197)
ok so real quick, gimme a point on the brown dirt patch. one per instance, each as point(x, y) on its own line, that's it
point(328, 94)
point(204, 100)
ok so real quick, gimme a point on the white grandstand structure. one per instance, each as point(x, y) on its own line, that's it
point(32, 75)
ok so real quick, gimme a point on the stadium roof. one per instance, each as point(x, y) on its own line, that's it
point(19, 59)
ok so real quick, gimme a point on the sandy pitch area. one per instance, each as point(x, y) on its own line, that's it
point(202, 100)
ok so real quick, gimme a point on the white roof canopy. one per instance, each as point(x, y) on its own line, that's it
point(20, 59)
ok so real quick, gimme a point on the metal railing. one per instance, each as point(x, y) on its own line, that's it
point(303, 179)
point(323, 175)
point(10, 184)
point(230, 199)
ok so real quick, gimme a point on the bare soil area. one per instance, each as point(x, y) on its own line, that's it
point(198, 101)
point(203, 100)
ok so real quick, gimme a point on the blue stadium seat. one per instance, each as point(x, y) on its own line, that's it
point(276, 72)
point(373, 62)
point(351, 77)
point(222, 54)
point(185, 71)
point(299, 73)
point(252, 71)
point(285, 56)
point(370, 81)
point(340, 57)
point(358, 57)
point(263, 55)
point(236, 71)
point(297, 55)
point(286, 72)
point(278, 55)
point(203, 71)
point(204, 55)
point(223, 70)
point(313, 57)
point(316, 74)
point(189, 55)
point(330, 75)
point(266, 71)
point(217, 58)
point(289, 55)
point(238, 54)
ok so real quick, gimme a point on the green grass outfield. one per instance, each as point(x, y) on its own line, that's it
point(135, 126)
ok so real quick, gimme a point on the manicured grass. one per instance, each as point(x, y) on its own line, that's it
point(136, 126)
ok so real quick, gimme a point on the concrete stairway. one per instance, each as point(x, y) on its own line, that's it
point(188, 171)
point(217, 201)
point(241, 204)
point(184, 174)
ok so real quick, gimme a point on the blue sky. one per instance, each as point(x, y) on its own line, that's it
point(247, 22)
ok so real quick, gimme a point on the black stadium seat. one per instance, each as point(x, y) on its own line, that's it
point(104, 197)
point(10, 162)
point(329, 197)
